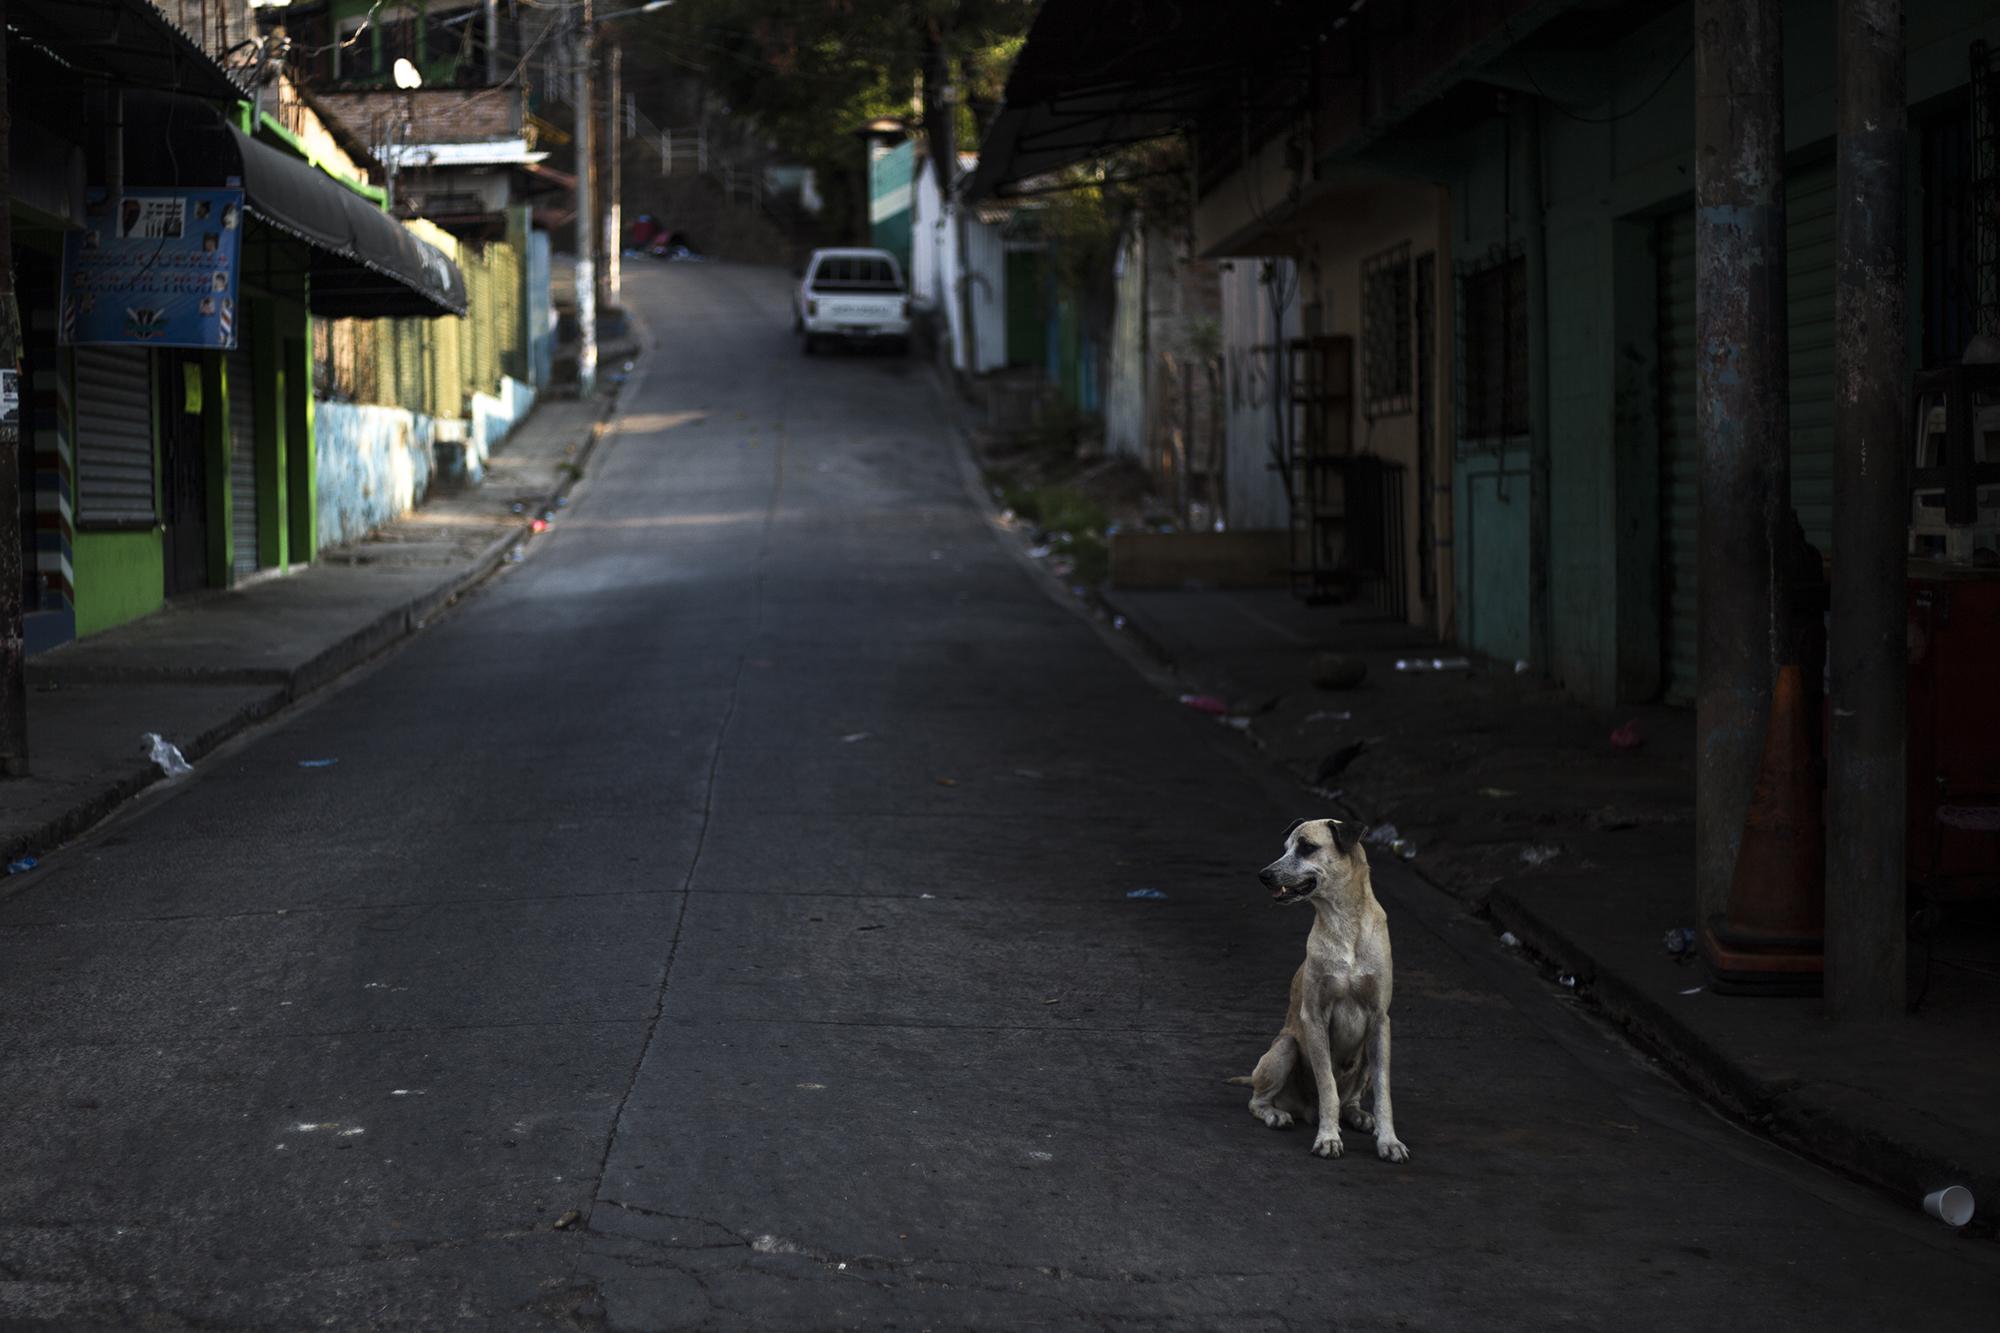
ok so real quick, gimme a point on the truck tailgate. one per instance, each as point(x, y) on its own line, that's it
point(859, 311)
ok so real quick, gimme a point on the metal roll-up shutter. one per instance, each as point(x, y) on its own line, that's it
point(242, 462)
point(1809, 245)
point(1680, 457)
point(114, 437)
point(1809, 234)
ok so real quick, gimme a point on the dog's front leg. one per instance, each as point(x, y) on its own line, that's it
point(1387, 1146)
point(1319, 1056)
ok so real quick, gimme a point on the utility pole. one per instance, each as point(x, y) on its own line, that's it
point(1741, 413)
point(586, 227)
point(492, 42)
point(614, 211)
point(1866, 773)
point(940, 104)
point(13, 635)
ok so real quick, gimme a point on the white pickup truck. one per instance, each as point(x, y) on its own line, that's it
point(856, 295)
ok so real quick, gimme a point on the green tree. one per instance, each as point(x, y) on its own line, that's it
point(809, 73)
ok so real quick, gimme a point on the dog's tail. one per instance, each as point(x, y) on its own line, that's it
point(1244, 1079)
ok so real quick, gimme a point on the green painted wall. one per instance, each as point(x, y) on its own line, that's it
point(369, 57)
point(891, 198)
point(120, 576)
point(1610, 171)
point(1027, 324)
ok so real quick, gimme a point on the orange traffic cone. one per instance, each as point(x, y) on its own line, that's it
point(1771, 940)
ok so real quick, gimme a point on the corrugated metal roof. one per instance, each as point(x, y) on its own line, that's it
point(128, 41)
point(1099, 75)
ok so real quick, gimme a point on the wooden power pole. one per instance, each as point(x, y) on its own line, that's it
point(13, 610)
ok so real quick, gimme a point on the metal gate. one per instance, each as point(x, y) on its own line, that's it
point(1809, 213)
point(1809, 245)
point(242, 462)
point(114, 437)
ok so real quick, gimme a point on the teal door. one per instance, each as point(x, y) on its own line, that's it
point(1027, 336)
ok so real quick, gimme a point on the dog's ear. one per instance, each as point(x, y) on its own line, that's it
point(1293, 827)
point(1345, 835)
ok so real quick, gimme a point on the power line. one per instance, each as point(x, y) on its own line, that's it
point(1580, 118)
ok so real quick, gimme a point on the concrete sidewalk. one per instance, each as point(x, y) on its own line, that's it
point(1515, 801)
point(202, 669)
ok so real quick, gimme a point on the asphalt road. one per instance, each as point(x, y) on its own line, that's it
point(743, 878)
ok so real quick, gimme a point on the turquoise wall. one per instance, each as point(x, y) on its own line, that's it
point(1490, 499)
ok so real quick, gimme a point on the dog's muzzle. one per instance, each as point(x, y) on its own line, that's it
point(1285, 890)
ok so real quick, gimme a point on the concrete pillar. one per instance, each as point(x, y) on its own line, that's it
point(273, 511)
point(614, 197)
point(215, 449)
point(1866, 772)
point(1740, 411)
point(301, 452)
point(1535, 251)
point(13, 609)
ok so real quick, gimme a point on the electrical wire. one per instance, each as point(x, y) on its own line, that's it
point(353, 37)
point(1579, 117)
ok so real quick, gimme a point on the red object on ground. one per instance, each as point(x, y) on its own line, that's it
point(539, 525)
point(1627, 737)
point(1770, 941)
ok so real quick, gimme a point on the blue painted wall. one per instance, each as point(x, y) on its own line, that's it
point(375, 463)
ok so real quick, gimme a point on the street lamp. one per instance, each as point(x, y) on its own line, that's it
point(586, 241)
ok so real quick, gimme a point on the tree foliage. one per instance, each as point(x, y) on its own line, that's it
point(810, 73)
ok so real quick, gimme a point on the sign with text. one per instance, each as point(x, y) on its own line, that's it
point(154, 267)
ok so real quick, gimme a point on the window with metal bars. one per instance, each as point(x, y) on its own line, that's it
point(1385, 333)
point(1493, 350)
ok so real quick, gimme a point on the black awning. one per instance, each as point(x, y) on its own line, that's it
point(128, 41)
point(1099, 75)
point(364, 263)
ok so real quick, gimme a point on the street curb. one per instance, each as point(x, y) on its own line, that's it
point(1136, 627)
point(97, 805)
point(1643, 1019)
point(1137, 649)
point(317, 672)
point(1812, 1128)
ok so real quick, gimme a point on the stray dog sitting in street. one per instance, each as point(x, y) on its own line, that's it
point(1339, 1011)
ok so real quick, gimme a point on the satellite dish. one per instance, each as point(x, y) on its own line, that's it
point(407, 75)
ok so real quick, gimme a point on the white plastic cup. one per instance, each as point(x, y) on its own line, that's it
point(1951, 1205)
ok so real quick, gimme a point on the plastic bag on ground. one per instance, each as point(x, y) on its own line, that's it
point(166, 754)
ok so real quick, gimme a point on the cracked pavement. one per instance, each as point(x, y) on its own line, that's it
point(745, 873)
